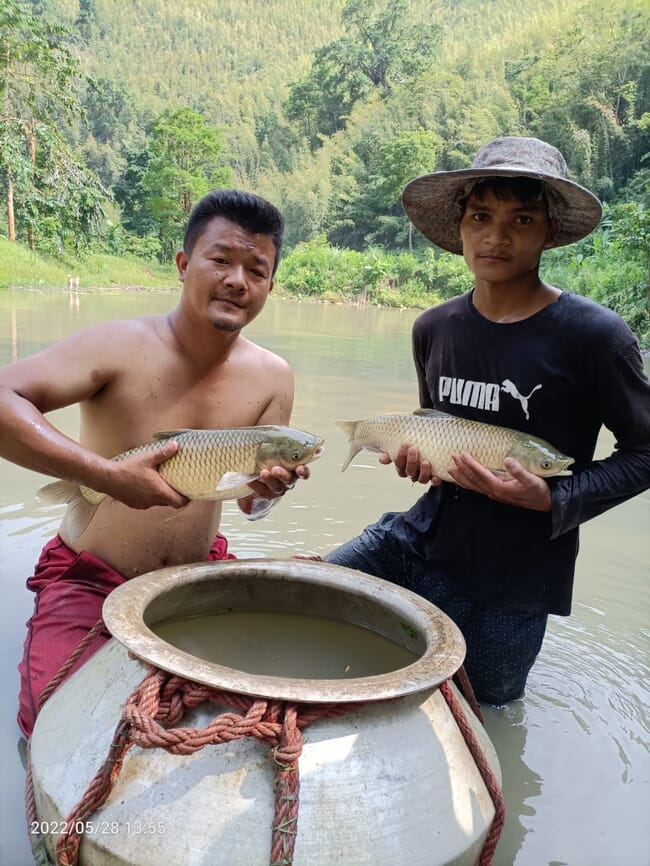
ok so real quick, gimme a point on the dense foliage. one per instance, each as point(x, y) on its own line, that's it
point(116, 118)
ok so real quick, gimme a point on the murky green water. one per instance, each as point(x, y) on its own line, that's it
point(574, 752)
point(281, 644)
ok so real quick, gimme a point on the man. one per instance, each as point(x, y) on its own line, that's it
point(497, 553)
point(190, 368)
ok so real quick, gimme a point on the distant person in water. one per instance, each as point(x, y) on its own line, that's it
point(497, 552)
point(190, 368)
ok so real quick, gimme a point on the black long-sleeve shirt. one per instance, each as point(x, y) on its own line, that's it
point(560, 374)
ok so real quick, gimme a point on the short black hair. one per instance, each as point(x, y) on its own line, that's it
point(524, 189)
point(247, 210)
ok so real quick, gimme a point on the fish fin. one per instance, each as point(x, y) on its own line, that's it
point(58, 492)
point(81, 508)
point(231, 480)
point(434, 412)
point(169, 434)
point(349, 428)
point(79, 514)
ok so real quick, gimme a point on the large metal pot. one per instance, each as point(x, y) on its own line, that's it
point(391, 783)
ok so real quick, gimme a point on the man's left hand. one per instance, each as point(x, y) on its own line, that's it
point(276, 481)
point(519, 487)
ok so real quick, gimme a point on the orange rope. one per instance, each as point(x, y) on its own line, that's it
point(467, 691)
point(63, 672)
point(487, 773)
point(162, 700)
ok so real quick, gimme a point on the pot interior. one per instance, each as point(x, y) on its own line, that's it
point(292, 630)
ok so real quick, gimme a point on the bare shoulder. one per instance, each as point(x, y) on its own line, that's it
point(130, 330)
point(116, 342)
point(264, 359)
point(269, 384)
point(76, 367)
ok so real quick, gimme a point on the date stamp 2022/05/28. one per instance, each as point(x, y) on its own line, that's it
point(97, 828)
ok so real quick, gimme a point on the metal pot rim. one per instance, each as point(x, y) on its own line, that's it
point(125, 612)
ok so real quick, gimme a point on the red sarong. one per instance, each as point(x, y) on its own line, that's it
point(70, 591)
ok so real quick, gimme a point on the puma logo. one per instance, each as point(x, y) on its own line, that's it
point(510, 388)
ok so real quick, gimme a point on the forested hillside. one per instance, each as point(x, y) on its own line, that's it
point(117, 117)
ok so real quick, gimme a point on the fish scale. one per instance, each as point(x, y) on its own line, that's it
point(209, 464)
point(438, 436)
point(448, 435)
point(205, 456)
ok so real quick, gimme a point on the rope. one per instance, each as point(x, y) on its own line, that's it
point(36, 839)
point(465, 686)
point(162, 700)
point(486, 771)
point(63, 672)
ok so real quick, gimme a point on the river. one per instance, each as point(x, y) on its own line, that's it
point(574, 753)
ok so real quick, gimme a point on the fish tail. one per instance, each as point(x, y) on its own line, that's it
point(80, 510)
point(349, 428)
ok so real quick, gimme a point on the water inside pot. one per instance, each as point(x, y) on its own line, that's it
point(285, 644)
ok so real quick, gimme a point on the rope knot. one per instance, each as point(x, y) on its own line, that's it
point(162, 700)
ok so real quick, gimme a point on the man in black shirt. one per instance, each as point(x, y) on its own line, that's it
point(497, 552)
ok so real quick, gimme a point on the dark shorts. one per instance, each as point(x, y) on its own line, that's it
point(70, 590)
point(501, 646)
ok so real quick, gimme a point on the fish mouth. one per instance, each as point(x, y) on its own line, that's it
point(318, 451)
point(564, 470)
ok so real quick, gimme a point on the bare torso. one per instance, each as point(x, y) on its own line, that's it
point(233, 388)
point(134, 542)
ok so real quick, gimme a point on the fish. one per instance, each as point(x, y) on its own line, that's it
point(209, 464)
point(438, 435)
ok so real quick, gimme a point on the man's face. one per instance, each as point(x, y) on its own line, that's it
point(228, 275)
point(503, 239)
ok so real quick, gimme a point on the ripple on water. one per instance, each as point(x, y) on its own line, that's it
point(575, 753)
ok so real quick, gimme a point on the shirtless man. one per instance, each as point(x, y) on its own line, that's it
point(190, 368)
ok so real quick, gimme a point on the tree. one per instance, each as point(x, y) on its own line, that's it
point(111, 122)
point(373, 214)
point(321, 103)
point(86, 21)
point(387, 47)
point(588, 92)
point(39, 172)
point(383, 48)
point(185, 161)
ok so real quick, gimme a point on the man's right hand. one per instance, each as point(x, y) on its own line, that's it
point(408, 465)
point(136, 481)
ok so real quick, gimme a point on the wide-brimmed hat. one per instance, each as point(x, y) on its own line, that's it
point(432, 201)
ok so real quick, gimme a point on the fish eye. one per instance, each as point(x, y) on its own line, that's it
point(546, 464)
point(296, 455)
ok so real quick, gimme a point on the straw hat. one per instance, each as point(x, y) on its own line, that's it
point(431, 202)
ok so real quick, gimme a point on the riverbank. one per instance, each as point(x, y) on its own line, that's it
point(317, 271)
point(21, 268)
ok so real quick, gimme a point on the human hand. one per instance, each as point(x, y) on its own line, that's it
point(408, 464)
point(275, 482)
point(518, 487)
point(136, 481)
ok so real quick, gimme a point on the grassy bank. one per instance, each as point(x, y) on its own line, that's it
point(594, 267)
point(21, 268)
